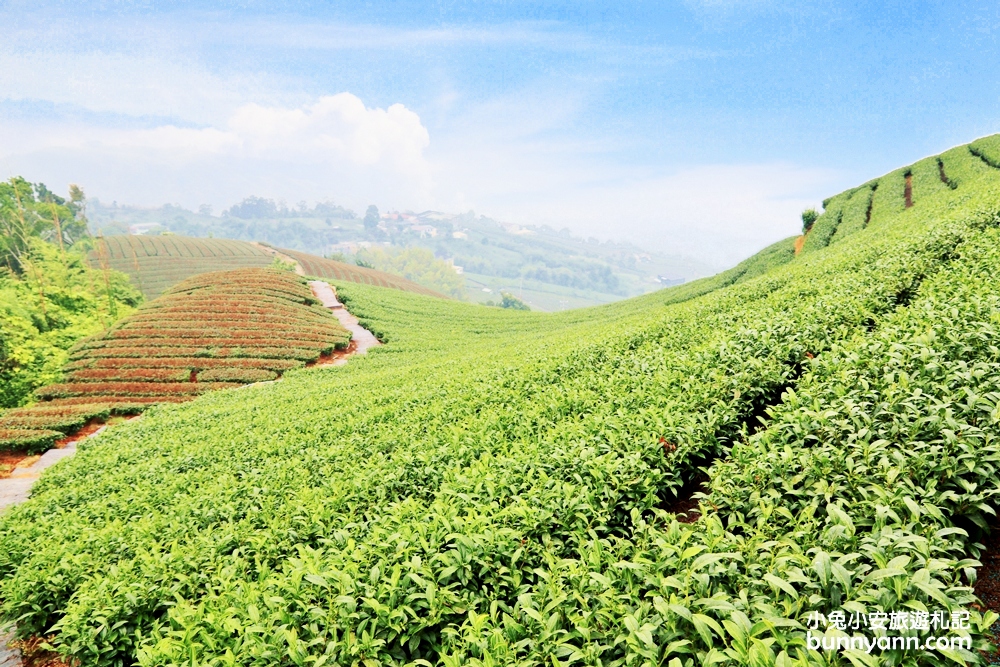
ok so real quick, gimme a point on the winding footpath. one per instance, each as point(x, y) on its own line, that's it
point(16, 488)
point(361, 338)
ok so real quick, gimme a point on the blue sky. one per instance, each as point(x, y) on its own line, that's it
point(701, 127)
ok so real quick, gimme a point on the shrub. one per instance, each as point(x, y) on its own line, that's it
point(30, 441)
point(809, 217)
point(512, 302)
point(236, 375)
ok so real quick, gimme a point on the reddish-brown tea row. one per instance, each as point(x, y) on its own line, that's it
point(214, 331)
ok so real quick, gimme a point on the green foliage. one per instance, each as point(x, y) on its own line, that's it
point(492, 488)
point(823, 227)
point(809, 217)
point(57, 301)
point(512, 302)
point(769, 258)
point(281, 265)
point(854, 217)
point(988, 150)
point(961, 165)
point(416, 264)
point(32, 211)
point(926, 179)
point(28, 440)
point(236, 375)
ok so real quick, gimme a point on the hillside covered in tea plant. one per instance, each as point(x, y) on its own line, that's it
point(213, 331)
point(157, 263)
point(496, 487)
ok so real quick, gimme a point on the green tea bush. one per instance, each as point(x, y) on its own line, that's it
point(855, 213)
point(492, 487)
point(825, 226)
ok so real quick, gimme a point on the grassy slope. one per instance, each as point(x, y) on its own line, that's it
point(157, 263)
point(488, 487)
point(501, 261)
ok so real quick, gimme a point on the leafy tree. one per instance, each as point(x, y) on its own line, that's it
point(809, 217)
point(57, 301)
point(32, 211)
point(372, 218)
point(416, 264)
point(257, 207)
point(512, 302)
point(49, 296)
point(281, 265)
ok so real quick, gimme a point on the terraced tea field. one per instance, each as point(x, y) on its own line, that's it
point(156, 263)
point(883, 198)
point(214, 331)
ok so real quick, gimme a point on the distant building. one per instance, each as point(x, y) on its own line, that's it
point(425, 230)
point(511, 228)
point(143, 228)
point(434, 215)
point(459, 235)
point(663, 280)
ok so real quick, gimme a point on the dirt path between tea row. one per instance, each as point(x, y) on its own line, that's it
point(361, 339)
point(268, 250)
point(16, 488)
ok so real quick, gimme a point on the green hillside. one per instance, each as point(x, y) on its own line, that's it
point(552, 270)
point(499, 487)
point(157, 263)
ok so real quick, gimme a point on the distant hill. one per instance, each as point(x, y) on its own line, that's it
point(156, 263)
point(551, 269)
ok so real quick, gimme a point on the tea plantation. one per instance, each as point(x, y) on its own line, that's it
point(212, 331)
point(156, 263)
point(495, 487)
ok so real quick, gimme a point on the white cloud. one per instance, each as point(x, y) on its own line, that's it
point(502, 159)
point(133, 84)
point(523, 155)
point(338, 126)
point(333, 147)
